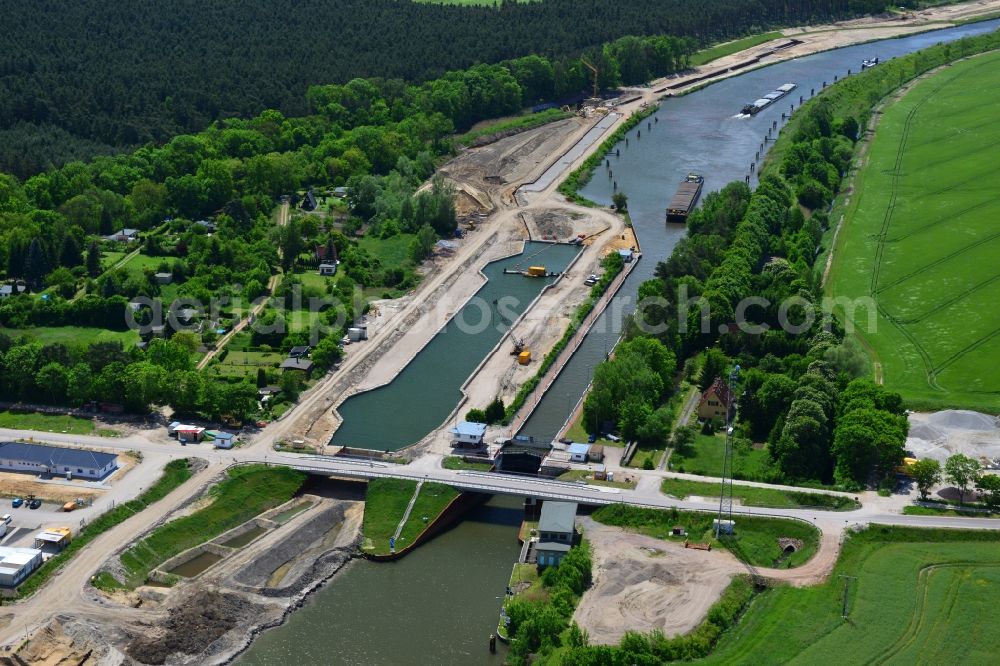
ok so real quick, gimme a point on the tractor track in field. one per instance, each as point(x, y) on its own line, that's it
point(874, 287)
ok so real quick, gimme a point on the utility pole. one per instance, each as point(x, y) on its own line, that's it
point(847, 583)
point(726, 494)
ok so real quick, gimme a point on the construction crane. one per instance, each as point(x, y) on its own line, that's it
point(592, 69)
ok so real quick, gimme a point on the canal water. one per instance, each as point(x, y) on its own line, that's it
point(437, 605)
point(420, 398)
point(696, 133)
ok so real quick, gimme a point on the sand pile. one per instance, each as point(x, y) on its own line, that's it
point(942, 434)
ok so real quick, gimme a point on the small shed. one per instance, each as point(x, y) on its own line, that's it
point(627, 255)
point(164, 278)
point(578, 452)
point(309, 202)
point(596, 453)
point(300, 351)
point(222, 440)
point(328, 268)
point(55, 538)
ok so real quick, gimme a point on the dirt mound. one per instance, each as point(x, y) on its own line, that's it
point(927, 432)
point(53, 646)
point(192, 626)
point(960, 419)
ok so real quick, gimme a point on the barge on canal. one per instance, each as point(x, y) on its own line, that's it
point(685, 198)
point(759, 105)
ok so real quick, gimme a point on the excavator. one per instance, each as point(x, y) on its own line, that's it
point(518, 346)
point(594, 70)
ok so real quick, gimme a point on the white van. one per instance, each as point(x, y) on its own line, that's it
point(5, 519)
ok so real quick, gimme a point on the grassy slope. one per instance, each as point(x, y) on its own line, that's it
point(914, 601)
point(940, 245)
point(431, 501)
point(728, 48)
point(456, 462)
point(763, 497)
point(385, 503)
point(247, 492)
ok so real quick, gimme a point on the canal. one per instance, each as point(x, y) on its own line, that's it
point(420, 398)
point(438, 605)
point(696, 133)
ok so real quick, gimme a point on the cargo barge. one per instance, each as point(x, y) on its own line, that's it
point(759, 105)
point(685, 198)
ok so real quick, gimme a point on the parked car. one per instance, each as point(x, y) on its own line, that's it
point(34, 504)
point(16, 502)
point(6, 519)
point(591, 280)
point(591, 438)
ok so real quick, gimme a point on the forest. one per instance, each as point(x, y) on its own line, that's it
point(90, 77)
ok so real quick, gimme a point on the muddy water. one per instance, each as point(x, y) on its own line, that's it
point(697, 132)
point(438, 605)
point(420, 398)
point(196, 565)
point(245, 538)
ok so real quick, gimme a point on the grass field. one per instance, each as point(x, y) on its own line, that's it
point(707, 454)
point(920, 597)
point(247, 492)
point(755, 540)
point(73, 335)
point(73, 425)
point(920, 238)
point(246, 363)
point(728, 48)
point(392, 251)
point(763, 497)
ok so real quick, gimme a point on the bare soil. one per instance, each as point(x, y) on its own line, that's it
point(642, 584)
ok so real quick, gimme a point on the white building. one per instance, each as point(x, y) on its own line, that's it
point(16, 564)
point(468, 433)
point(56, 460)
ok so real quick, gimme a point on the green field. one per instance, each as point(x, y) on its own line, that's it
point(764, 497)
point(920, 238)
point(707, 454)
point(72, 335)
point(431, 501)
point(46, 422)
point(246, 363)
point(728, 48)
point(920, 597)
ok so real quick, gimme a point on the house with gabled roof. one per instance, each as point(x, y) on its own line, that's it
point(715, 401)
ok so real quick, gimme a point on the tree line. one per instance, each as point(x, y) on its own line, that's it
point(89, 77)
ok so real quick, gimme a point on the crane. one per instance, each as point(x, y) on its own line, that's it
point(592, 69)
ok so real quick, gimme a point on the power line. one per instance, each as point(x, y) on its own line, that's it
point(726, 494)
